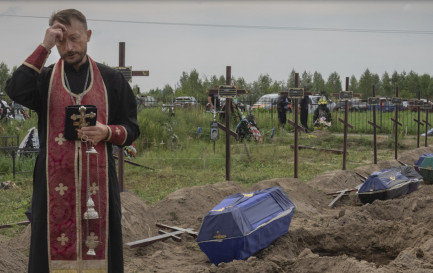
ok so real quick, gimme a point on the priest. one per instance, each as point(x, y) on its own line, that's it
point(76, 212)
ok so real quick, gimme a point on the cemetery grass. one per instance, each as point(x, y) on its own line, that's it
point(170, 163)
point(197, 164)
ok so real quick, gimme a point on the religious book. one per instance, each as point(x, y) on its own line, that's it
point(77, 117)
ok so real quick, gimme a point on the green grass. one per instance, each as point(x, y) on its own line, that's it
point(196, 163)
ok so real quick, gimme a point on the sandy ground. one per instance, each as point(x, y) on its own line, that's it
point(385, 236)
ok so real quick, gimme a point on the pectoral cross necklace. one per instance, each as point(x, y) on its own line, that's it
point(80, 96)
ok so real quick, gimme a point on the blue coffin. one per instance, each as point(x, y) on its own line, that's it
point(389, 183)
point(245, 223)
point(417, 163)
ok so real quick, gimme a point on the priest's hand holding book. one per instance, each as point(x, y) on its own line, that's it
point(95, 134)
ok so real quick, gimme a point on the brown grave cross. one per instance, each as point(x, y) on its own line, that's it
point(227, 107)
point(373, 101)
point(345, 95)
point(295, 124)
point(418, 104)
point(396, 101)
point(427, 107)
point(128, 74)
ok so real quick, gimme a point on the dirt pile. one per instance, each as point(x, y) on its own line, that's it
point(11, 259)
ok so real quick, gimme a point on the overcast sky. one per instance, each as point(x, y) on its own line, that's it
point(253, 37)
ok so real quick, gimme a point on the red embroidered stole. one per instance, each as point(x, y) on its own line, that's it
point(67, 179)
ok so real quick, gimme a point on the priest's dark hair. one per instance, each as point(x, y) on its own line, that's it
point(64, 17)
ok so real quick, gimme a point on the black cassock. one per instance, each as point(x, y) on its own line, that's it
point(30, 88)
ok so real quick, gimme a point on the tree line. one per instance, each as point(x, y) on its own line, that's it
point(409, 85)
point(192, 84)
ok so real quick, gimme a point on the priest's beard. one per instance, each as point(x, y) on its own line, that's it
point(73, 57)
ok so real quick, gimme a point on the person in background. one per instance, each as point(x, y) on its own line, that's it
point(282, 107)
point(70, 233)
point(213, 99)
point(305, 103)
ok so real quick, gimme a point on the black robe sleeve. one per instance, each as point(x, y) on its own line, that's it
point(26, 87)
point(122, 103)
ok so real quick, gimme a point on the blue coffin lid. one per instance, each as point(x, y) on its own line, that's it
point(387, 178)
point(421, 158)
point(239, 214)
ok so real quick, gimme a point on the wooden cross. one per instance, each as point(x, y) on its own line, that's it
point(227, 107)
point(427, 107)
point(175, 231)
point(82, 117)
point(128, 73)
point(396, 122)
point(297, 127)
point(345, 123)
point(418, 103)
point(373, 102)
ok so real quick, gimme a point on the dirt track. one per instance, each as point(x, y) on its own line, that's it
point(386, 236)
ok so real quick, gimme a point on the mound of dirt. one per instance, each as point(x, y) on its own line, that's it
point(385, 236)
point(11, 259)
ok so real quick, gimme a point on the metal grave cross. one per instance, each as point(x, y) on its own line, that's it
point(128, 74)
point(228, 91)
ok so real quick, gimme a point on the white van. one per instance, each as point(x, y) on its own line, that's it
point(266, 102)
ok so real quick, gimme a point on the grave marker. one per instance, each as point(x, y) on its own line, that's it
point(374, 101)
point(126, 71)
point(228, 91)
point(418, 104)
point(296, 93)
point(396, 122)
point(427, 106)
point(346, 95)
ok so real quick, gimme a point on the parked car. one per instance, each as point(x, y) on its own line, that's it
point(340, 105)
point(359, 105)
point(379, 106)
point(185, 102)
point(412, 106)
point(144, 101)
point(388, 106)
point(314, 103)
point(266, 102)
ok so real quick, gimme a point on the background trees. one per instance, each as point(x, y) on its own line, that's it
point(193, 84)
point(4, 75)
point(333, 84)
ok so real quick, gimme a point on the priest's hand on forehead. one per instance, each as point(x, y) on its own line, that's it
point(53, 35)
